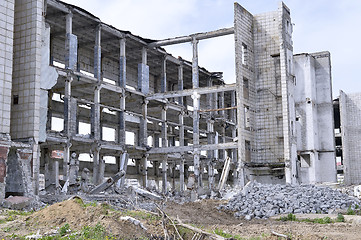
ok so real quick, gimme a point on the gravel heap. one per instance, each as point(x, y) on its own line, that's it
point(265, 200)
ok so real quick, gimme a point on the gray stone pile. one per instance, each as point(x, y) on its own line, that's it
point(265, 200)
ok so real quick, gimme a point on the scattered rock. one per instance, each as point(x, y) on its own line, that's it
point(266, 200)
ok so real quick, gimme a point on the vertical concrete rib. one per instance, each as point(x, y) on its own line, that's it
point(96, 107)
point(196, 103)
point(163, 80)
point(164, 144)
point(180, 82)
point(122, 83)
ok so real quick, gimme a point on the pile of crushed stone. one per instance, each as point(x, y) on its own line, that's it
point(265, 200)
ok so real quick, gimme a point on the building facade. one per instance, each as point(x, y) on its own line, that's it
point(74, 86)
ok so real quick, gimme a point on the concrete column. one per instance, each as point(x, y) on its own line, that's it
point(56, 173)
point(195, 70)
point(181, 128)
point(233, 118)
point(123, 166)
point(143, 133)
point(121, 119)
point(67, 105)
point(95, 118)
point(122, 83)
point(71, 44)
point(122, 64)
point(164, 127)
point(101, 169)
point(143, 73)
point(97, 53)
point(66, 161)
point(221, 103)
point(196, 156)
point(96, 163)
point(163, 80)
point(180, 82)
point(164, 144)
point(164, 174)
point(48, 168)
point(144, 170)
point(181, 175)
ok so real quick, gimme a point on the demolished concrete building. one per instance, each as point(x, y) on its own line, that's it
point(347, 126)
point(62, 70)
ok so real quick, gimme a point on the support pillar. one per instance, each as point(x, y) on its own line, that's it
point(143, 73)
point(164, 144)
point(163, 80)
point(143, 128)
point(196, 103)
point(71, 44)
point(67, 106)
point(96, 166)
point(122, 83)
point(181, 175)
point(164, 174)
point(144, 170)
point(180, 82)
point(66, 162)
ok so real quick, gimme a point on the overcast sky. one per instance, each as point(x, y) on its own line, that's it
point(319, 25)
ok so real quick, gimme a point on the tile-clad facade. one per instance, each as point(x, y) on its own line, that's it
point(26, 77)
point(6, 62)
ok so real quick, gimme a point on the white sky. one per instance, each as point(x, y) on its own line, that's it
point(320, 25)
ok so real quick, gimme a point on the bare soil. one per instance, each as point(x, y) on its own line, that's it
point(201, 214)
point(205, 215)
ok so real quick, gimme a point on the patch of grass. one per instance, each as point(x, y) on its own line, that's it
point(340, 218)
point(221, 233)
point(6, 229)
point(325, 220)
point(350, 211)
point(289, 217)
point(83, 204)
point(19, 213)
point(64, 230)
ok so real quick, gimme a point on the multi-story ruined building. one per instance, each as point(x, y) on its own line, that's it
point(73, 84)
point(347, 123)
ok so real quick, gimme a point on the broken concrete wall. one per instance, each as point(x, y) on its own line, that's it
point(264, 69)
point(19, 173)
point(246, 88)
point(350, 111)
point(314, 121)
point(3, 169)
point(48, 79)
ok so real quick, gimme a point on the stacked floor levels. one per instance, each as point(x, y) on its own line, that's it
point(76, 86)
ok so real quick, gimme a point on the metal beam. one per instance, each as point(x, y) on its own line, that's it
point(189, 92)
point(196, 36)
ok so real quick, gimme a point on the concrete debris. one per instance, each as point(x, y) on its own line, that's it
point(147, 194)
point(108, 183)
point(136, 222)
point(22, 203)
point(265, 200)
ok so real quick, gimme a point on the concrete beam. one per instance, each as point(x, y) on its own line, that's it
point(197, 36)
point(165, 150)
point(189, 92)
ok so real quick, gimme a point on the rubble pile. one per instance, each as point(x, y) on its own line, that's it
point(265, 200)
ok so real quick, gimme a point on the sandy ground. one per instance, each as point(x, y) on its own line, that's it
point(204, 214)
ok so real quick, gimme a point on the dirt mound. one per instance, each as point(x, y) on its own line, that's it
point(77, 215)
point(201, 212)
